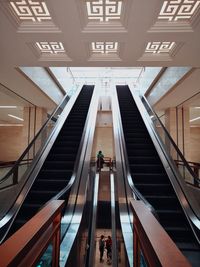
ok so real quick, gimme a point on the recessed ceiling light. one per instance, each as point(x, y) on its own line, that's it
point(15, 117)
point(50, 47)
point(27, 10)
point(195, 119)
point(174, 11)
point(104, 47)
point(160, 47)
point(8, 106)
point(104, 11)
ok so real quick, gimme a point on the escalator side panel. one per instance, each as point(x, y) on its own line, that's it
point(58, 167)
point(149, 175)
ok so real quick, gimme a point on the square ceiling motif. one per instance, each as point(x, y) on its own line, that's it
point(104, 15)
point(50, 47)
point(160, 51)
point(31, 10)
point(104, 51)
point(30, 15)
point(176, 10)
point(177, 16)
point(159, 47)
point(104, 10)
point(49, 51)
point(104, 47)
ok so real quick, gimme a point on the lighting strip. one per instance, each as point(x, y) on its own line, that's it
point(8, 106)
point(195, 119)
point(11, 125)
point(15, 117)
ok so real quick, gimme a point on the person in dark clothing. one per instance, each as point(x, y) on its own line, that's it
point(100, 160)
point(109, 249)
point(101, 247)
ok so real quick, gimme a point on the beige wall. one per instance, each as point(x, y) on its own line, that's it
point(103, 140)
point(14, 139)
point(194, 144)
point(12, 143)
point(103, 137)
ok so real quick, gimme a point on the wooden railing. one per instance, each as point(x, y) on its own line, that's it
point(28, 244)
point(107, 161)
point(152, 240)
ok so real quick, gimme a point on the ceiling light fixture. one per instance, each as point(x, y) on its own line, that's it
point(15, 117)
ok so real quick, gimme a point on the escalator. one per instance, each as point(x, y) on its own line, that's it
point(150, 178)
point(57, 169)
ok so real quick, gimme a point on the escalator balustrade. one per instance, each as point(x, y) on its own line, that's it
point(57, 169)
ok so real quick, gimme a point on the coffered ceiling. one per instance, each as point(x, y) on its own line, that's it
point(99, 33)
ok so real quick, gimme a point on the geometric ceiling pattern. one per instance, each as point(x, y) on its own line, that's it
point(104, 10)
point(104, 15)
point(30, 15)
point(84, 31)
point(49, 51)
point(50, 47)
point(160, 47)
point(104, 51)
point(31, 10)
point(178, 10)
point(177, 15)
point(104, 47)
point(156, 51)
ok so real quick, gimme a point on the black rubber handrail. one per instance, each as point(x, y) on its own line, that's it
point(33, 141)
point(172, 141)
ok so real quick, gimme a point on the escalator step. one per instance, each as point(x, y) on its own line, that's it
point(60, 157)
point(154, 178)
point(146, 168)
point(144, 160)
point(61, 165)
point(55, 174)
point(154, 189)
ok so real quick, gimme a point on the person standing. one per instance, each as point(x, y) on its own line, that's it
point(101, 247)
point(109, 249)
point(100, 160)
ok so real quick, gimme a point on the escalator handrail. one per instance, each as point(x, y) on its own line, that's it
point(172, 141)
point(82, 184)
point(189, 211)
point(17, 163)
